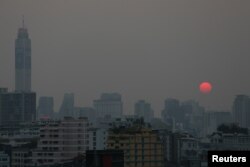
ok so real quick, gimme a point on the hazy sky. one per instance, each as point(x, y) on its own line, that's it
point(143, 49)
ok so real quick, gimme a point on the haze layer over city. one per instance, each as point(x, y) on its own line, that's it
point(142, 49)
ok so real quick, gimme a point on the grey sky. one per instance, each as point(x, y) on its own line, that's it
point(144, 49)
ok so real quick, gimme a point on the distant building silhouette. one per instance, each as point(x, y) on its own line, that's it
point(195, 115)
point(109, 104)
point(17, 107)
point(23, 60)
point(170, 111)
point(171, 108)
point(241, 111)
point(212, 119)
point(88, 112)
point(67, 107)
point(143, 109)
point(45, 107)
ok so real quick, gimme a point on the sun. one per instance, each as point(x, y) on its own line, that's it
point(206, 87)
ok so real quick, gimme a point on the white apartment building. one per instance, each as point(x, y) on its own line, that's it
point(61, 141)
point(98, 138)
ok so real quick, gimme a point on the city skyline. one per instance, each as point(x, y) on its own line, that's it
point(142, 52)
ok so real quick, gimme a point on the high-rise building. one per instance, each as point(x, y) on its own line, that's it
point(110, 104)
point(179, 149)
point(171, 111)
point(143, 109)
point(195, 114)
point(23, 60)
point(171, 108)
point(67, 107)
point(213, 119)
point(241, 111)
point(45, 107)
point(17, 107)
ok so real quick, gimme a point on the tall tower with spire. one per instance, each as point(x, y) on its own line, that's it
point(23, 60)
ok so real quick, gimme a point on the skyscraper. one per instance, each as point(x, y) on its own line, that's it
point(143, 109)
point(46, 107)
point(110, 104)
point(241, 111)
point(23, 61)
point(67, 107)
point(17, 107)
point(171, 108)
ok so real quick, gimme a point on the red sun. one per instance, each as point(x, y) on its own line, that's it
point(205, 87)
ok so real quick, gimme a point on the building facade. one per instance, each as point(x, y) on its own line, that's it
point(144, 110)
point(88, 112)
point(17, 107)
point(110, 104)
point(171, 108)
point(212, 119)
point(98, 138)
point(45, 107)
point(61, 141)
point(4, 159)
point(21, 157)
point(142, 147)
point(230, 141)
point(67, 107)
point(241, 111)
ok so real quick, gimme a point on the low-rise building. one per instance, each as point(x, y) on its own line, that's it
point(4, 159)
point(21, 157)
point(229, 141)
